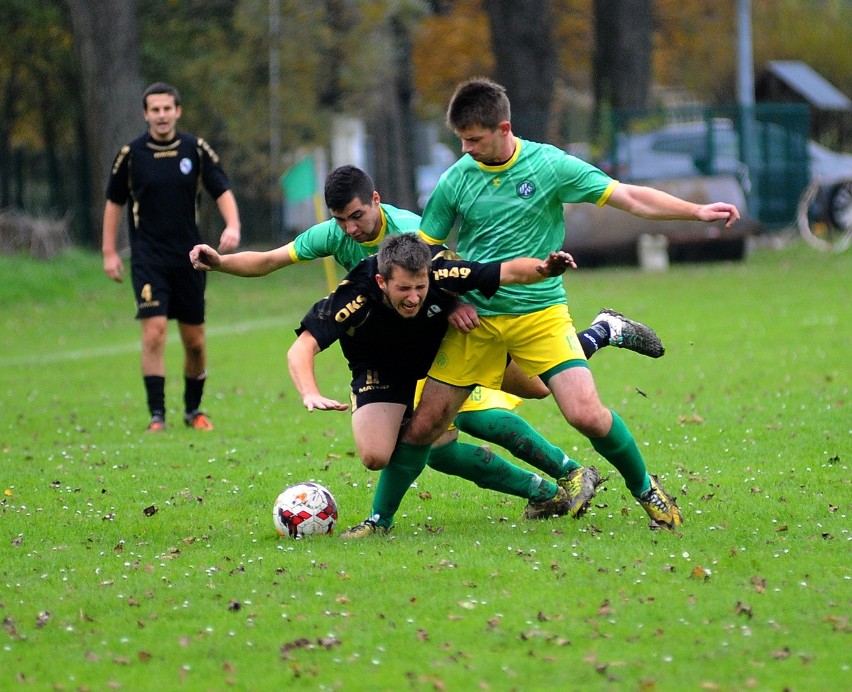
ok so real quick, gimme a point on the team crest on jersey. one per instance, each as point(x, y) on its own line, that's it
point(526, 189)
point(185, 166)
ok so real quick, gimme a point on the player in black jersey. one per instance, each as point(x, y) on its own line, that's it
point(161, 174)
point(389, 315)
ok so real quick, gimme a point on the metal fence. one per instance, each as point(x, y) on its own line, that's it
point(766, 147)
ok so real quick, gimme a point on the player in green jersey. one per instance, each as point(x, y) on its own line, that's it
point(507, 196)
point(358, 224)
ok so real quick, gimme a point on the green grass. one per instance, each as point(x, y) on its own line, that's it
point(745, 419)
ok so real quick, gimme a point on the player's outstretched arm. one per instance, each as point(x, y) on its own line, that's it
point(650, 203)
point(300, 360)
point(528, 270)
point(248, 263)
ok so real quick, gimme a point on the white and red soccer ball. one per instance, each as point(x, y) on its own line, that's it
point(304, 509)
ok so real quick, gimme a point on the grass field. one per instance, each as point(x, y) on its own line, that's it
point(140, 562)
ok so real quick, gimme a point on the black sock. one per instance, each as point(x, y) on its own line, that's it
point(155, 388)
point(193, 388)
point(594, 338)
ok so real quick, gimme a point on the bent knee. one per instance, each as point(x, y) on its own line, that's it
point(374, 462)
point(592, 423)
point(430, 433)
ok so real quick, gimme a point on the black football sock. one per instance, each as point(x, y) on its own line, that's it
point(155, 389)
point(594, 338)
point(193, 389)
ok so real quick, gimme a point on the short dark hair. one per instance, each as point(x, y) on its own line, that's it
point(344, 184)
point(406, 251)
point(160, 88)
point(478, 101)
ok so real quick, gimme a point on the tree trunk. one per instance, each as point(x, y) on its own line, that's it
point(106, 40)
point(391, 125)
point(7, 107)
point(621, 63)
point(525, 61)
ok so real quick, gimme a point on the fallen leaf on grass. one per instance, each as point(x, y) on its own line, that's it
point(838, 623)
point(698, 572)
point(742, 609)
point(304, 643)
point(759, 584)
point(604, 610)
point(543, 634)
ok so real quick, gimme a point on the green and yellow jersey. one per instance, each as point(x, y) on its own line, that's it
point(513, 210)
point(327, 239)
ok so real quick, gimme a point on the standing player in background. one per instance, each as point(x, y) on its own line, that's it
point(507, 195)
point(161, 174)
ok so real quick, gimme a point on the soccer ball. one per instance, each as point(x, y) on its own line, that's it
point(304, 509)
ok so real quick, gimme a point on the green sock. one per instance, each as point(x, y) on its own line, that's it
point(405, 465)
point(619, 448)
point(512, 432)
point(491, 471)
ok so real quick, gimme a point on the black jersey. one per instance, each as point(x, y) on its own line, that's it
point(163, 182)
point(374, 335)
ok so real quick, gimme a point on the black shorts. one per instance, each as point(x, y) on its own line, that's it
point(176, 292)
point(383, 387)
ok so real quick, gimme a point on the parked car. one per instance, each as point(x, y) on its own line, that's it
point(685, 149)
point(831, 171)
point(702, 163)
point(603, 235)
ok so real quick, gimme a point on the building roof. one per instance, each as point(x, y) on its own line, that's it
point(809, 84)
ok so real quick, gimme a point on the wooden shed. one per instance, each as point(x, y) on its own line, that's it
point(793, 81)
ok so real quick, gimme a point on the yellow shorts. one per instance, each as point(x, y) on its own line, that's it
point(537, 342)
point(480, 399)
